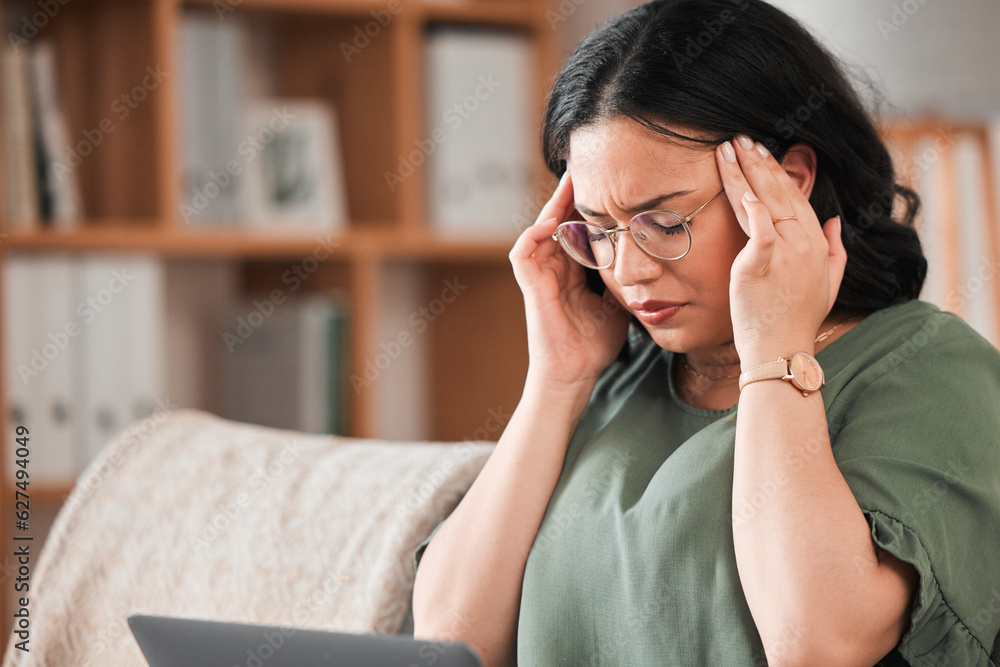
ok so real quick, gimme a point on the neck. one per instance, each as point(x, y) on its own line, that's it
point(713, 364)
point(720, 365)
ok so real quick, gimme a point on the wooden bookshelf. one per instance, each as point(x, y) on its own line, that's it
point(131, 187)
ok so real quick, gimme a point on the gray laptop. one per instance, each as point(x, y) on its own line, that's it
point(186, 642)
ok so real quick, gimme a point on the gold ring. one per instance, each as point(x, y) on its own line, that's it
point(787, 217)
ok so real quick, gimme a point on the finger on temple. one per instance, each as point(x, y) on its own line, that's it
point(735, 185)
point(755, 163)
point(561, 202)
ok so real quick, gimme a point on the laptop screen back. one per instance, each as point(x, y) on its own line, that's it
point(186, 642)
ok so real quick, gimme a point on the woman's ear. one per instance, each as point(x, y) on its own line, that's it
point(800, 163)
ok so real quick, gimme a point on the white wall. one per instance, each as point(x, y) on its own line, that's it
point(575, 19)
point(925, 56)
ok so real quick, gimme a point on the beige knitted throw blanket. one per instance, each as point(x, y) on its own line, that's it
point(186, 514)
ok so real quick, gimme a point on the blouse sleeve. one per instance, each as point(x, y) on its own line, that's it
point(919, 447)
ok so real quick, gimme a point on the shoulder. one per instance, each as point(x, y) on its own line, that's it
point(918, 325)
point(915, 431)
point(909, 342)
point(918, 388)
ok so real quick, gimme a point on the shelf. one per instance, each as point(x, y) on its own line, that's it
point(234, 244)
point(120, 236)
point(117, 65)
point(507, 13)
point(490, 12)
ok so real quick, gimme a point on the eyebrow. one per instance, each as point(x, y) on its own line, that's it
point(649, 205)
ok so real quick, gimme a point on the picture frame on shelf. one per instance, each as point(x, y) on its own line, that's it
point(294, 181)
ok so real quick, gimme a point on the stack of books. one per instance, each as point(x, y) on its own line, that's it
point(285, 364)
point(41, 181)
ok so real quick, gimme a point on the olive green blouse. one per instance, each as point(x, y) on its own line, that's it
point(634, 562)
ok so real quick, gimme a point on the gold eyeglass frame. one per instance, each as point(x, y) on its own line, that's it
point(613, 232)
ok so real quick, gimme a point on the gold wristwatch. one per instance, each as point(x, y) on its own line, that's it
point(802, 370)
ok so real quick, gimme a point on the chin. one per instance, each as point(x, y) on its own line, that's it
point(668, 339)
point(678, 339)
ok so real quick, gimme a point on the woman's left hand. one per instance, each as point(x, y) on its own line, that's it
point(785, 281)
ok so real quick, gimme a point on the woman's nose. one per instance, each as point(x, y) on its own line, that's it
point(632, 264)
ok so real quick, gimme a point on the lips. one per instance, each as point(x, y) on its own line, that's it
point(655, 312)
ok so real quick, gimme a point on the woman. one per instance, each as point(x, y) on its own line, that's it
point(688, 491)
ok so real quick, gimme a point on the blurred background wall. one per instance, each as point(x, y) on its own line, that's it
point(926, 56)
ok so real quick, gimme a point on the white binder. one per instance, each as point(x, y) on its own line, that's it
point(210, 105)
point(40, 354)
point(478, 139)
point(56, 429)
point(20, 322)
point(121, 310)
point(144, 306)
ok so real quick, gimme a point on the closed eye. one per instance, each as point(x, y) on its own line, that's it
point(667, 230)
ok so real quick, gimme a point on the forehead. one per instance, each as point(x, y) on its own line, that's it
point(624, 159)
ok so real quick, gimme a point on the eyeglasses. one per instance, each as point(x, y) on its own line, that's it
point(661, 234)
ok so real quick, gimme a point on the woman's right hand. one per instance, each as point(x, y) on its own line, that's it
point(573, 333)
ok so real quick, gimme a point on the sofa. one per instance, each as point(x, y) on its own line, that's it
point(187, 514)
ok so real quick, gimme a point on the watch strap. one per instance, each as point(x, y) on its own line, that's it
point(773, 370)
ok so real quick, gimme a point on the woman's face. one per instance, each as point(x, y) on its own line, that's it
point(619, 168)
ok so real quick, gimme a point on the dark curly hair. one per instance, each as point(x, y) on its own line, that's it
point(742, 66)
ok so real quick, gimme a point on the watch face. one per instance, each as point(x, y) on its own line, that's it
point(806, 372)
